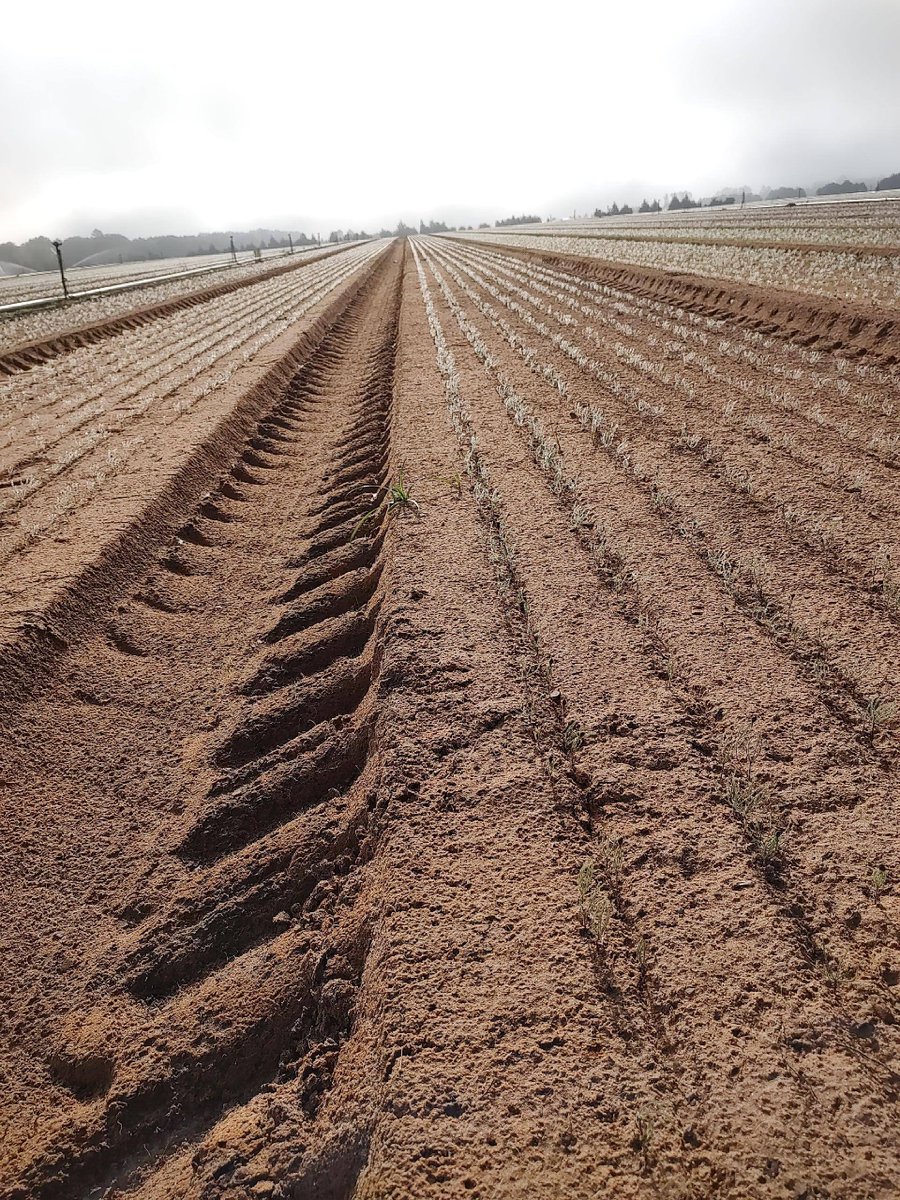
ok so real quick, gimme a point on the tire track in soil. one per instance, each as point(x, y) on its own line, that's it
point(235, 962)
point(646, 761)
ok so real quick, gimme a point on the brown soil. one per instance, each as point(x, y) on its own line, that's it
point(737, 243)
point(53, 586)
point(31, 354)
point(511, 843)
point(813, 321)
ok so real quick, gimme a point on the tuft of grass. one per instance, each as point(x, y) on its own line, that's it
point(743, 796)
point(831, 971)
point(661, 500)
point(724, 565)
point(769, 847)
point(580, 517)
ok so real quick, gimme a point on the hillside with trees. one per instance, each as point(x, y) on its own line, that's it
point(840, 189)
point(38, 253)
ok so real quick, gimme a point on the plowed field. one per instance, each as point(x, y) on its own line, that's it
point(449, 740)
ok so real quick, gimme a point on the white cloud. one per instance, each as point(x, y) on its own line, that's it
point(180, 116)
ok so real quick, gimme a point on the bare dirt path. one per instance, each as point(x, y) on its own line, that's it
point(511, 842)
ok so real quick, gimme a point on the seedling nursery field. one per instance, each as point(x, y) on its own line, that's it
point(449, 694)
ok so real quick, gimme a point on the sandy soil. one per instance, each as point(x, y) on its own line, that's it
point(71, 329)
point(533, 839)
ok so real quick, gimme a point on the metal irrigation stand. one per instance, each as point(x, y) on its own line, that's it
point(57, 246)
point(291, 241)
point(233, 253)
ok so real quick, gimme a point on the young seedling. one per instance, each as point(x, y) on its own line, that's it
point(661, 500)
point(399, 497)
point(644, 1136)
point(760, 574)
point(574, 737)
point(743, 796)
point(769, 847)
point(723, 565)
point(831, 971)
point(612, 854)
point(880, 714)
point(878, 881)
point(580, 517)
point(596, 909)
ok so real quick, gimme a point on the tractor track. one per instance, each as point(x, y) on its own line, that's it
point(130, 484)
point(240, 946)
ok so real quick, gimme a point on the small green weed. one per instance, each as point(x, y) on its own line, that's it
point(399, 499)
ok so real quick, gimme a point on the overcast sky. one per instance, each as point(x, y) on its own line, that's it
point(175, 116)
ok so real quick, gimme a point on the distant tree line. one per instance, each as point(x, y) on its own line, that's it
point(523, 220)
point(38, 253)
point(732, 196)
point(847, 186)
point(615, 211)
point(686, 201)
point(653, 206)
point(348, 235)
point(840, 189)
point(786, 193)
